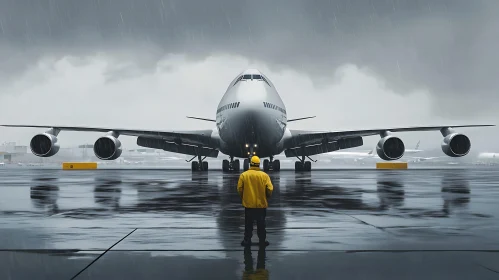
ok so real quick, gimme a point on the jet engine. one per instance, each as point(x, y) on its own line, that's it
point(390, 148)
point(456, 145)
point(44, 145)
point(107, 148)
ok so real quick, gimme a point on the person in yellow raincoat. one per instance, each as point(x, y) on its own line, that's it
point(254, 187)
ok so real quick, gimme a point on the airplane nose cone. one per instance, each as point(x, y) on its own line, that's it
point(251, 92)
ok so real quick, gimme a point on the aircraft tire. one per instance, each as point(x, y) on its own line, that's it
point(276, 165)
point(205, 166)
point(246, 164)
point(194, 166)
point(225, 165)
point(266, 165)
point(236, 165)
point(307, 166)
point(298, 166)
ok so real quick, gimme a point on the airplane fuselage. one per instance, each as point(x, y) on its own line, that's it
point(251, 117)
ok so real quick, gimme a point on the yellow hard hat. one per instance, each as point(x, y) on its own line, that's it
point(255, 160)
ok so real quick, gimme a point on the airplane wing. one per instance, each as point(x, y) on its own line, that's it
point(195, 137)
point(345, 139)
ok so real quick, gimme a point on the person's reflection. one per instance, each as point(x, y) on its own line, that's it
point(455, 191)
point(390, 191)
point(260, 272)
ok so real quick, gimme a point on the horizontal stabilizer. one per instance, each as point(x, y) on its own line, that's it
point(292, 120)
point(202, 119)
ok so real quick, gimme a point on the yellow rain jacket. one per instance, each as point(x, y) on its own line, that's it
point(254, 187)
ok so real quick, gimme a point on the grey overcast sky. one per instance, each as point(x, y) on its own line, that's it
point(149, 63)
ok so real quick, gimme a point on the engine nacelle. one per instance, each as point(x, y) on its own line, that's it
point(44, 145)
point(107, 148)
point(390, 148)
point(456, 145)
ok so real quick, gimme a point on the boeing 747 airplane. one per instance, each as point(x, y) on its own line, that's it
point(250, 119)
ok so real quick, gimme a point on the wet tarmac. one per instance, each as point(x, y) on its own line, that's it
point(328, 224)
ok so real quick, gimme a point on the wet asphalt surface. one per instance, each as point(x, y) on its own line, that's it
point(327, 224)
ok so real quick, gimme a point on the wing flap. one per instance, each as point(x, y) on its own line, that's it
point(340, 144)
point(176, 148)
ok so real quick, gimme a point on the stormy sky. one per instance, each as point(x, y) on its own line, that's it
point(148, 64)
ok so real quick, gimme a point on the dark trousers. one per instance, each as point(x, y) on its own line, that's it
point(258, 215)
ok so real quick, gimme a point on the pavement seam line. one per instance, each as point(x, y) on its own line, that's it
point(76, 275)
point(487, 268)
point(366, 223)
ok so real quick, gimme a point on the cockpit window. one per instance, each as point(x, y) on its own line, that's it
point(238, 79)
point(250, 77)
point(265, 80)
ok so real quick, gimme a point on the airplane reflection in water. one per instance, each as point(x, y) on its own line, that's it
point(455, 192)
point(296, 197)
point(218, 197)
point(44, 194)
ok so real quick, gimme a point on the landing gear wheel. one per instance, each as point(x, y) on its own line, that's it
point(266, 165)
point(205, 166)
point(298, 166)
point(236, 165)
point(195, 166)
point(276, 165)
point(307, 166)
point(246, 164)
point(225, 166)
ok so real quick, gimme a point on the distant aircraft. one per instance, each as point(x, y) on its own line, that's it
point(488, 156)
point(363, 155)
point(251, 119)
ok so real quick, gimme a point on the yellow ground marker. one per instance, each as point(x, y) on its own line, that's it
point(79, 165)
point(391, 165)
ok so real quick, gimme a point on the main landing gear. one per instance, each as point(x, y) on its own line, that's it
point(268, 165)
point(274, 165)
point(303, 165)
point(232, 165)
point(199, 165)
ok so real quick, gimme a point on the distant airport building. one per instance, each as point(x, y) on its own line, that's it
point(12, 148)
point(10, 151)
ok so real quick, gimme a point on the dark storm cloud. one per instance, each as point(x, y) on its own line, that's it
point(446, 46)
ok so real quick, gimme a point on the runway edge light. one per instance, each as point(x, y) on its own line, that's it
point(79, 165)
point(391, 165)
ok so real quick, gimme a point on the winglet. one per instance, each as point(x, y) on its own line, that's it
point(292, 120)
point(202, 119)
